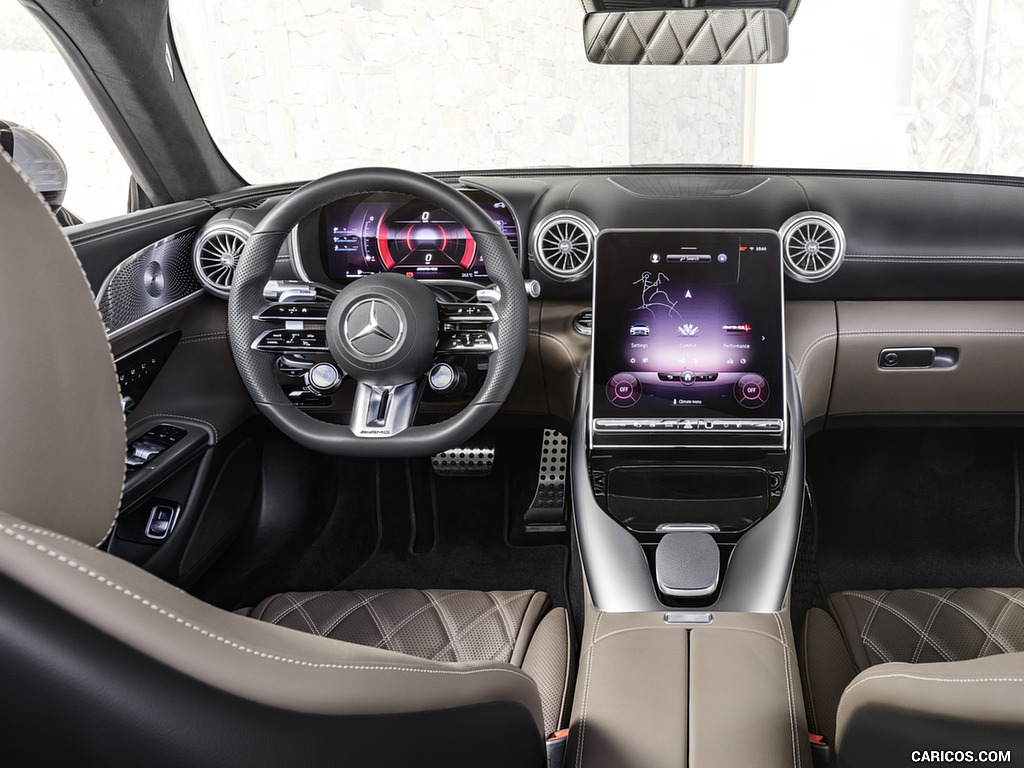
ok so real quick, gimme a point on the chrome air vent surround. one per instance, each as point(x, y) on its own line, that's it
point(216, 253)
point(813, 246)
point(563, 244)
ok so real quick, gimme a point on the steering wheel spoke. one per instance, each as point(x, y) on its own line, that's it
point(384, 411)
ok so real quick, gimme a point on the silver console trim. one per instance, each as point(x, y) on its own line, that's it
point(688, 617)
point(687, 528)
point(615, 567)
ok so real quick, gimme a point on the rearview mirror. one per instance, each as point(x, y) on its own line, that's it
point(695, 36)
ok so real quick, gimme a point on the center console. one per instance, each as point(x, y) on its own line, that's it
point(687, 486)
point(688, 417)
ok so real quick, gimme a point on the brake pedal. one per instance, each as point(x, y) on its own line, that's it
point(464, 461)
point(547, 511)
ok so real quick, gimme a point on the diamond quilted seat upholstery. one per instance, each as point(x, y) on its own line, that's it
point(862, 629)
point(517, 628)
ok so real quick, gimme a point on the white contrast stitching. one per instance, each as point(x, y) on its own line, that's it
point(815, 343)
point(586, 692)
point(995, 626)
point(296, 607)
point(928, 628)
point(976, 620)
point(789, 690)
point(922, 678)
point(906, 619)
point(363, 601)
point(227, 641)
point(565, 674)
point(930, 259)
point(923, 331)
point(568, 350)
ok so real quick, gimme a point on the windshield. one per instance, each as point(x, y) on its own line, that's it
point(294, 89)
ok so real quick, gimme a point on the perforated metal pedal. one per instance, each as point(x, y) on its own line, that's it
point(549, 499)
point(464, 461)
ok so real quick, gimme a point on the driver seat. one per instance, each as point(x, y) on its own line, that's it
point(103, 663)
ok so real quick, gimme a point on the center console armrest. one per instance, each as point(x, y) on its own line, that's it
point(717, 694)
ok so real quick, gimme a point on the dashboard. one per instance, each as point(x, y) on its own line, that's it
point(917, 263)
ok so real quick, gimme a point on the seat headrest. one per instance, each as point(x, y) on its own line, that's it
point(62, 431)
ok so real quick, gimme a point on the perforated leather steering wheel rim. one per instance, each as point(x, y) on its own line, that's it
point(254, 270)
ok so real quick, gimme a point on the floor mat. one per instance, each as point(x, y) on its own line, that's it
point(452, 532)
point(916, 508)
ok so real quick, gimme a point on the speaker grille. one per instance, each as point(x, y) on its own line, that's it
point(148, 281)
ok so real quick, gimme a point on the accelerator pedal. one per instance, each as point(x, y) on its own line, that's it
point(464, 461)
point(547, 512)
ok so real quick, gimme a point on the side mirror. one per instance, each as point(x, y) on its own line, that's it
point(695, 36)
point(38, 159)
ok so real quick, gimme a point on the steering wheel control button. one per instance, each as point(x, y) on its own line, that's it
point(296, 311)
point(453, 316)
point(323, 378)
point(623, 390)
point(752, 391)
point(466, 343)
point(291, 341)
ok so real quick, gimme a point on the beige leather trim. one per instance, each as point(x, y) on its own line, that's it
point(811, 334)
point(631, 694)
point(551, 663)
point(256, 660)
point(989, 335)
point(989, 689)
point(537, 607)
point(62, 453)
point(746, 706)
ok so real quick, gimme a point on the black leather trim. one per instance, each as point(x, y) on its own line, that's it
point(884, 737)
point(75, 696)
point(102, 245)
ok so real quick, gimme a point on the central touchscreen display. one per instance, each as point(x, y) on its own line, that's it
point(688, 337)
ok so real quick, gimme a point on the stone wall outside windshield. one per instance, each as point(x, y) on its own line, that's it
point(478, 85)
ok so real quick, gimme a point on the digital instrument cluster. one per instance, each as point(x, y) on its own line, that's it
point(385, 232)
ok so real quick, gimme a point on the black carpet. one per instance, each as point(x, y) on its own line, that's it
point(914, 508)
point(453, 532)
point(354, 523)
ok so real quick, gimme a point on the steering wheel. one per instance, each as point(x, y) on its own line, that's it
point(382, 330)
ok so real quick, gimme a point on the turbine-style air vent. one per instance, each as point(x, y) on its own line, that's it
point(563, 245)
point(813, 246)
point(216, 253)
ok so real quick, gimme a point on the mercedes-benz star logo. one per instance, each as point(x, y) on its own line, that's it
point(373, 327)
